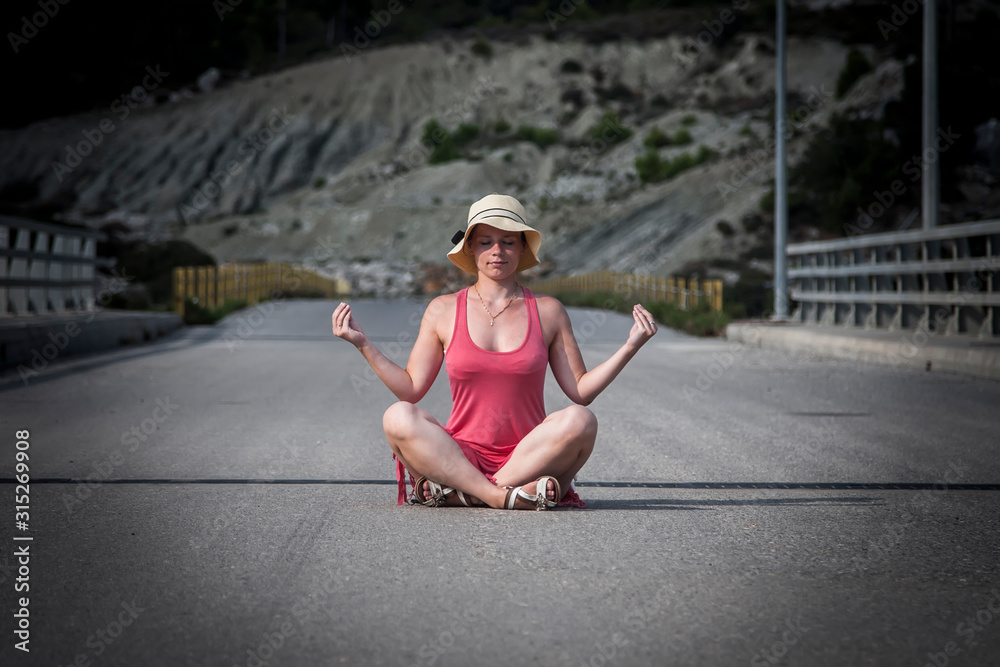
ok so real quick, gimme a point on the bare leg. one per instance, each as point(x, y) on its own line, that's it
point(559, 446)
point(426, 449)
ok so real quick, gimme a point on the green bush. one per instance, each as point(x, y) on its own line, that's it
point(441, 142)
point(465, 133)
point(501, 126)
point(610, 130)
point(195, 314)
point(689, 119)
point(652, 168)
point(842, 165)
point(445, 152)
point(603, 300)
point(150, 264)
point(482, 48)
point(541, 137)
point(766, 202)
point(699, 321)
point(434, 133)
point(656, 138)
point(855, 67)
point(681, 163)
point(752, 295)
point(682, 137)
point(649, 166)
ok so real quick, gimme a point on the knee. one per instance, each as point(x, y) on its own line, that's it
point(582, 421)
point(398, 419)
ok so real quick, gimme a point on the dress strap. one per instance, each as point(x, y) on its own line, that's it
point(462, 316)
point(401, 475)
point(534, 319)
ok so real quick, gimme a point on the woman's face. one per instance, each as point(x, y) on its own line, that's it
point(496, 251)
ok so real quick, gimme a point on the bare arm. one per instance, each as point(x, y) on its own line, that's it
point(413, 382)
point(579, 384)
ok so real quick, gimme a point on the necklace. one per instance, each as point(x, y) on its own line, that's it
point(482, 301)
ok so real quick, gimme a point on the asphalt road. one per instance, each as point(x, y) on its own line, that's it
point(783, 511)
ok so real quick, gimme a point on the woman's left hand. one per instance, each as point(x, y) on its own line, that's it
point(643, 329)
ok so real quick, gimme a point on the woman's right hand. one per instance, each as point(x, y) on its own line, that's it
point(346, 327)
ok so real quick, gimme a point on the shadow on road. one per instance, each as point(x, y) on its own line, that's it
point(677, 504)
point(25, 374)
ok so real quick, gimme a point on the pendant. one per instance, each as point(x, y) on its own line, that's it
point(491, 322)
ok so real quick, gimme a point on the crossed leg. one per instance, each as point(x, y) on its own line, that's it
point(559, 447)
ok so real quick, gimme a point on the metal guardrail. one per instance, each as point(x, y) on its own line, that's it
point(681, 292)
point(944, 279)
point(47, 268)
point(212, 287)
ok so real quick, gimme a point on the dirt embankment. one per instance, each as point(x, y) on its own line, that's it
point(324, 164)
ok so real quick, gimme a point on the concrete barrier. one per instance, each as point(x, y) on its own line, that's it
point(34, 341)
point(916, 349)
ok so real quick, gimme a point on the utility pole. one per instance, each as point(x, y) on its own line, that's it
point(780, 180)
point(930, 189)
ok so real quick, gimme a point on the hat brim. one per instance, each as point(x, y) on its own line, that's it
point(529, 258)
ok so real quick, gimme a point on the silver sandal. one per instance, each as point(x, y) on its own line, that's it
point(541, 502)
point(439, 494)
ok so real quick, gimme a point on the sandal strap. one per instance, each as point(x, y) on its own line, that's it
point(511, 498)
point(438, 494)
point(543, 501)
point(417, 493)
point(538, 498)
point(516, 492)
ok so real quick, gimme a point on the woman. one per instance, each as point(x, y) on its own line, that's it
point(499, 448)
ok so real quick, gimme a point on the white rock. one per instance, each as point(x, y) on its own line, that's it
point(209, 79)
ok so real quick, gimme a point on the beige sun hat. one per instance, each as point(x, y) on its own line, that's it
point(503, 212)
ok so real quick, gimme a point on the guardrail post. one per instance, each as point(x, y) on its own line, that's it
point(58, 273)
point(178, 284)
point(203, 287)
point(989, 326)
point(88, 247)
point(190, 283)
point(19, 269)
point(38, 296)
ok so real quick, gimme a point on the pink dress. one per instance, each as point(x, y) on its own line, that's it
point(497, 397)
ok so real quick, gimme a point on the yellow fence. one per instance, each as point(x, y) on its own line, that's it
point(685, 293)
point(211, 286)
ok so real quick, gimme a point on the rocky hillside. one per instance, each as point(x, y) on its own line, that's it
point(329, 163)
